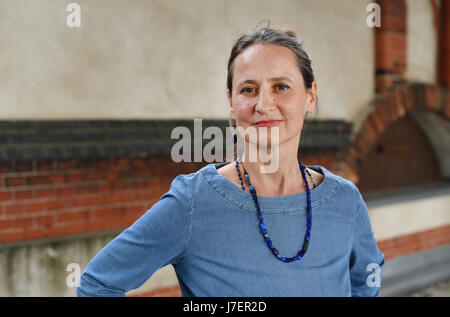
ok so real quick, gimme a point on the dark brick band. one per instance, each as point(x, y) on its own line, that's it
point(37, 140)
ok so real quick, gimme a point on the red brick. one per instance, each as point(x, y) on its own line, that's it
point(37, 180)
point(71, 217)
point(55, 204)
point(64, 217)
point(66, 164)
point(93, 176)
point(112, 198)
point(118, 186)
point(123, 161)
point(171, 291)
point(138, 162)
point(64, 191)
point(432, 96)
point(101, 213)
point(5, 195)
point(74, 177)
point(25, 222)
point(56, 178)
point(138, 184)
point(14, 209)
point(45, 220)
point(94, 200)
point(45, 192)
point(75, 228)
point(6, 224)
point(102, 187)
point(112, 223)
point(14, 181)
point(74, 202)
point(415, 242)
point(35, 233)
point(36, 207)
point(56, 231)
point(14, 236)
point(128, 196)
point(84, 189)
point(94, 225)
point(47, 165)
point(23, 194)
point(112, 175)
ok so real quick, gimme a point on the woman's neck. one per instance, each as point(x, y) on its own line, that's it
point(284, 177)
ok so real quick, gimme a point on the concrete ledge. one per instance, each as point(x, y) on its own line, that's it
point(407, 274)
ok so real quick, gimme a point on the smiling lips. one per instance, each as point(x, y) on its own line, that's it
point(268, 123)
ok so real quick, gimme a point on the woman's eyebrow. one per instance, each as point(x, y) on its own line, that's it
point(251, 81)
point(280, 78)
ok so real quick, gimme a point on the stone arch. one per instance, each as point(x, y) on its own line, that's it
point(388, 109)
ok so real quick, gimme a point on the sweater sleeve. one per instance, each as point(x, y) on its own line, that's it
point(366, 260)
point(158, 238)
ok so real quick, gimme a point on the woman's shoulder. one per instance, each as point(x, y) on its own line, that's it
point(342, 185)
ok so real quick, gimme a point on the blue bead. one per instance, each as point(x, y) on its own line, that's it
point(262, 226)
point(275, 251)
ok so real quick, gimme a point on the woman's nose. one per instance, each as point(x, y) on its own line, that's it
point(265, 101)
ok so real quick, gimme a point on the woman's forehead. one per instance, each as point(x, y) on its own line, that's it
point(273, 60)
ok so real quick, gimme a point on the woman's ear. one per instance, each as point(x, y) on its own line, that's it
point(231, 104)
point(311, 98)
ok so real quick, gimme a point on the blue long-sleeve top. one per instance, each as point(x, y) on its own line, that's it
point(207, 228)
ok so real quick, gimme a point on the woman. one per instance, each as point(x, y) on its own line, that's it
point(231, 230)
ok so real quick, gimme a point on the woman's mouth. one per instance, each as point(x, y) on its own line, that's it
point(268, 123)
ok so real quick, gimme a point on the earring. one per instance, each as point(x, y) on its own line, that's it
point(235, 134)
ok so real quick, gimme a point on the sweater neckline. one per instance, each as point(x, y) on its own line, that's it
point(269, 204)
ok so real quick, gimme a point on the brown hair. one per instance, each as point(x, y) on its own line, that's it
point(266, 36)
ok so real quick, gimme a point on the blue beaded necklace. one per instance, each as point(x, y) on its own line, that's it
point(262, 226)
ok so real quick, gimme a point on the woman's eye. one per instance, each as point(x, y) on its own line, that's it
point(247, 90)
point(283, 87)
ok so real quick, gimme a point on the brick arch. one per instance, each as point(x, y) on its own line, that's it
point(388, 109)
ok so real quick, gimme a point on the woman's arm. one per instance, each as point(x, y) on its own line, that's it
point(158, 238)
point(366, 260)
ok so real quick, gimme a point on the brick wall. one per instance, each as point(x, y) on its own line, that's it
point(390, 45)
point(54, 198)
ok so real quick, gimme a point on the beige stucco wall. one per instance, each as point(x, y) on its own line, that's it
point(421, 42)
point(167, 58)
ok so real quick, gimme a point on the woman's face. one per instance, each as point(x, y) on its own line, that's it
point(268, 85)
